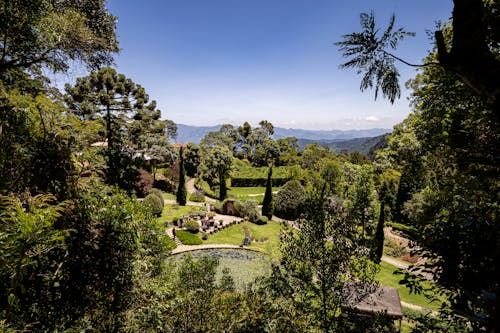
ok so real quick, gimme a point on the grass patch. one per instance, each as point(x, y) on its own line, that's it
point(386, 277)
point(234, 235)
point(188, 238)
point(170, 243)
point(249, 193)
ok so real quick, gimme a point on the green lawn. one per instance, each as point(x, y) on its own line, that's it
point(234, 235)
point(249, 193)
point(386, 277)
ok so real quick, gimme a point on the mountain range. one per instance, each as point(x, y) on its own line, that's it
point(189, 133)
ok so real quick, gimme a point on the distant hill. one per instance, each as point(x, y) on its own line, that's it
point(363, 145)
point(188, 133)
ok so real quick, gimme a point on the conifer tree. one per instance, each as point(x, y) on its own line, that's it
point(181, 189)
point(268, 204)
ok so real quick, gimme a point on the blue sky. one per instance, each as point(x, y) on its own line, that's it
point(209, 62)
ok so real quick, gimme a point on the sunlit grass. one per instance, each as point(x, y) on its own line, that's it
point(387, 278)
point(249, 193)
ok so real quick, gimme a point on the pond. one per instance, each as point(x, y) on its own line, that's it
point(245, 265)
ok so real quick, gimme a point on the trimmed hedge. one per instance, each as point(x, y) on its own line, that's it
point(188, 238)
point(257, 182)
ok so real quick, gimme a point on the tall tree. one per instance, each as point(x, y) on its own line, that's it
point(317, 261)
point(181, 188)
point(268, 204)
point(117, 99)
point(361, 201)
point(217, 165)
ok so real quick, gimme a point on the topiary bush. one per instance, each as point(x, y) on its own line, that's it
point(261, 220)
point(158, 193)
point(197, 196)
point(155, 203)
point(188, 238)
point(192, 226)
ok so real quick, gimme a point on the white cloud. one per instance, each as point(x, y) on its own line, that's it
point(372, 118)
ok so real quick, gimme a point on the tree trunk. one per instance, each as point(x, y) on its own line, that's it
point(470, 57)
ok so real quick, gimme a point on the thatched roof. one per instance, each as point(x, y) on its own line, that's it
point(372, 299)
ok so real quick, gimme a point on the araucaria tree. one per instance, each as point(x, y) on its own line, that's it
point(115, 98)
point(267, 204)
point(181, 189)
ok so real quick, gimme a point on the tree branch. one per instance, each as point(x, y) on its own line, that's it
point(410, 64)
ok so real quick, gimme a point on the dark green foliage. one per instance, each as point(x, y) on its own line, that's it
point(222, 187)
point(268, 204)
point(378, 241)
point(32, 249)
point(36, 152)
point(188, 238)
point(192, 226)
point(289, 200)
point(181, 195)
point(155, 203)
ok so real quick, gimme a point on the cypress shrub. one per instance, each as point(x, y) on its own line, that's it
point(267, 204)
point(181, 190)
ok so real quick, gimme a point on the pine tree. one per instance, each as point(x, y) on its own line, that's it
point(268, 204)
point(181, 190)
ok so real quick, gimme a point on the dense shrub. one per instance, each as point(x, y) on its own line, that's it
point(246, 208)
point(197, 196)
point(261, 220)
point(254, 215)
point(158, 193)
point(143, 183)
point(165, 185)
point(289, 200)
point(155, 203)
point(188, 238)
point(192, 226)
